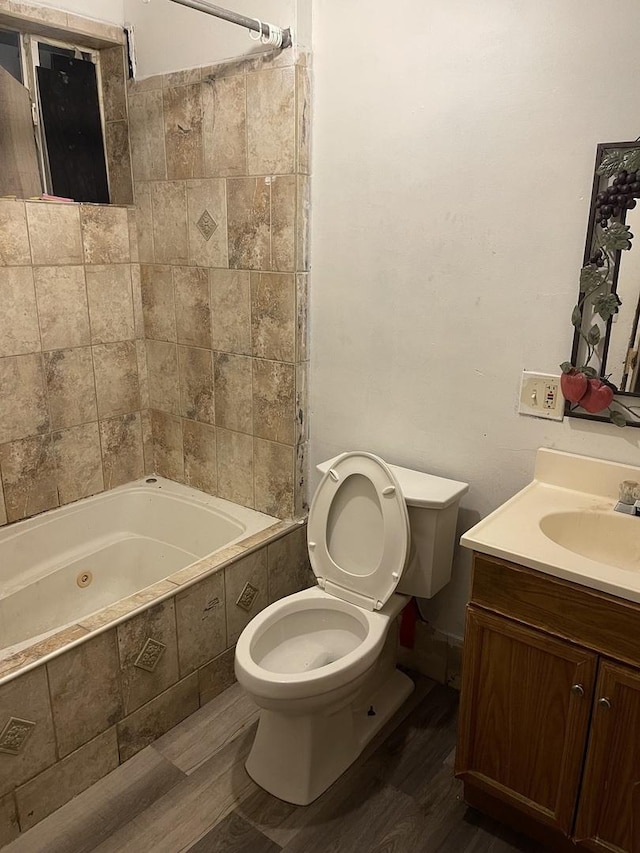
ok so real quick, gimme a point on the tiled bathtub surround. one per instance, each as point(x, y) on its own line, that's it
point(220, 160)
point(72, 360)
point(99, 703)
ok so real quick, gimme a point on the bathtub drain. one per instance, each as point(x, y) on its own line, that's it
point(84, 579)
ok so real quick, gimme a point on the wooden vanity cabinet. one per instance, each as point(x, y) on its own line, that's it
point(549, 731)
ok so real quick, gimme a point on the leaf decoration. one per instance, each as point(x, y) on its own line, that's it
point(591, 278)
point(593, 335)
point(566, 367)
point(611, 163)
point(589, 372)
point(606, 305)
point(616, 236)
point(617, 418)
point(576, 317)
point(631, 160)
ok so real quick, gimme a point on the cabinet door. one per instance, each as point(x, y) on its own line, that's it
point(524, 715)
point(608, 817)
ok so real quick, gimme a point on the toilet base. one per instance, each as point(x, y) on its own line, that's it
point(296, 758)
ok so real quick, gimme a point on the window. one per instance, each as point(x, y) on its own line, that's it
point(63, 85)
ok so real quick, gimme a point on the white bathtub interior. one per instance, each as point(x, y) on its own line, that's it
point(121, 541)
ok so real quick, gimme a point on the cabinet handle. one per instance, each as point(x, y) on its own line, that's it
point(604, 703)
point(578, 690)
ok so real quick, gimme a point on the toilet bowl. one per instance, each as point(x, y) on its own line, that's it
point(321, 664)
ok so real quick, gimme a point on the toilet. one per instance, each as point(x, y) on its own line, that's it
point(321, 664)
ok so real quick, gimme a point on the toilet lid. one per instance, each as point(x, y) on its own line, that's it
point(358, 530)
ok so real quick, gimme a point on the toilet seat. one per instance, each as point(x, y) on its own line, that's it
point(358, 530)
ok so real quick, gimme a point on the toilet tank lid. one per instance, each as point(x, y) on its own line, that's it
point(418, 488)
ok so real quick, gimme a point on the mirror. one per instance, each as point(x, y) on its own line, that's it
point(602, 380)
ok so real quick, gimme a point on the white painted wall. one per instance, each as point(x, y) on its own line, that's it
point(453, 153)
point(111, 11)
point(170, 37)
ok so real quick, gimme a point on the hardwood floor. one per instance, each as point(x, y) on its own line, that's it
point(189, 792)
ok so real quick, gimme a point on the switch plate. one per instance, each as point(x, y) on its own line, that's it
point(540, 396)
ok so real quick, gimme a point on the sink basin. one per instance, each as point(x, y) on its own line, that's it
point(606, 537)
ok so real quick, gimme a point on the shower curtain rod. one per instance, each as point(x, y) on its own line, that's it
point(234, 18)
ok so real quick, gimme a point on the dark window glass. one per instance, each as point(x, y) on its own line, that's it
point(48, 53)
point(10, 53)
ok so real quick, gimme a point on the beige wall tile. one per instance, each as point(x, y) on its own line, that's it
point(78, 461)
point(134, 248)
point(116, 372)
point(231, 310)
point(302, 402)
point(301, 473)
point(61, 296)
point(283, 222)
point(217, 676)
point(202, 629)
point(193, 311)
point(169, 212)
point(158, 303)
point(27, 698)
point(234, 404)
point(184, 77)
point(249, 223)
point(274, 478)
point(183, 131)
point(70, 386)
point(252, 570)
point(273, 320)
point(147, 442)
point(139, 685)
point(143, 373)
point(303, 201)
point(122, 454)
point(200, 465)
point(207, 212)
point(66, 779)
point(234, 452)
point(167, 445)
point(146, 132)
point(136, 294)
point(273, 400)
point(85, 691)
point(158, 716)
point(110, 303)
point(54, 232)
point(288, 564)
point(30, 477)
point(196, 384)
point(303, 119)
point(23, 401)
point(14, 237)
point(19, 330)
point(224, 126)
point(114, 95)
point(162, 368)
point(116, 140)
point(271, 121)
point(144, 223)
point(9, 826)
point(105, 234)
point(3, 511)
point(302, 316)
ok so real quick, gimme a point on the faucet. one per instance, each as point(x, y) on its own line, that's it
point(628, 498)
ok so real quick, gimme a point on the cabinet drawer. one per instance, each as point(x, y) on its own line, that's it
point(604, 623)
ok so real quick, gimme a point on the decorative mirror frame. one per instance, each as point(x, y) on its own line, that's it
point(588, 391)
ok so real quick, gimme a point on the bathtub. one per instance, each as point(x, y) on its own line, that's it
point(63, 567)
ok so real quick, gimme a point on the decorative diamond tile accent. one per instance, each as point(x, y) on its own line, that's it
point(247, 597)
point(207, 225)
point(149, 657)
point(15, 734)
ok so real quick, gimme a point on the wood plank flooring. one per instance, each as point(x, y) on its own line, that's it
point(189, 791)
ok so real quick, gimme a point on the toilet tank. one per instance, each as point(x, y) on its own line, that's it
point(432, 503)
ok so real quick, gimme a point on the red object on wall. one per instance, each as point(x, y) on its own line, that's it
point(408, 619)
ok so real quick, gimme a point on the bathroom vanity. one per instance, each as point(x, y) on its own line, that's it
point(549, 733)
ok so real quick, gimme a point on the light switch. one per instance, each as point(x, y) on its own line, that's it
point(540, 396)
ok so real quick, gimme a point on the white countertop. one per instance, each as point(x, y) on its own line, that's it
point(572, 484)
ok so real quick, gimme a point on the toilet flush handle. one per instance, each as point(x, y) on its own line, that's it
point(334, 474)
point(389, 490)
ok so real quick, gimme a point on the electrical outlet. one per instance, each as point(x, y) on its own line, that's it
point(540, 396)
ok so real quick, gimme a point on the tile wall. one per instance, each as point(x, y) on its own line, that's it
point(72, 357)
point(220, 160)
point(69, 722)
